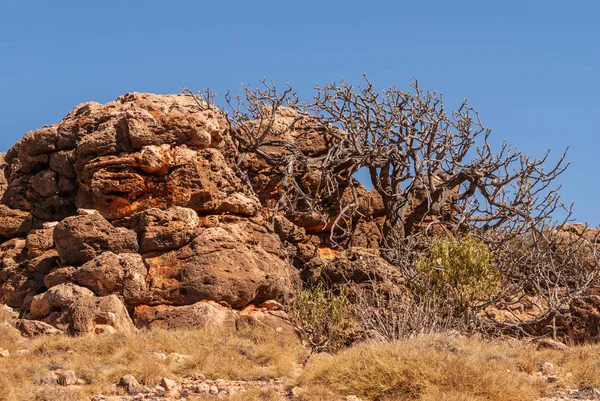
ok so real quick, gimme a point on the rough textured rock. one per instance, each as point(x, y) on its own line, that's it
point(16, 282)
point(98, 315)
point(35, 328)
point(161, 230)
point(355, 265)
point(14, 222)
point(205, 314)
point(237, 262)
point(3, 180)
point(81, 238)
point(109, 273)
point(276, 320)
point(209, 314)
point(56, 299)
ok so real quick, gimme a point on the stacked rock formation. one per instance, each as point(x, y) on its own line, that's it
point(134, 213)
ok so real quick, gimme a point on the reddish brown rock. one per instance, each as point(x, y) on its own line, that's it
point(98, 315)
point(14, 222)
point(108, 273)
point(57, 299)
point(35, 328)
point(276, 320)
point(81, 238)
point(238, 263)
point(354, 265)
point(205, 314)
point(161, 230)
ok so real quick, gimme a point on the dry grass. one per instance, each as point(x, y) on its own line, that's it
point(434, 367)
point(427, 368)
point(102, 360)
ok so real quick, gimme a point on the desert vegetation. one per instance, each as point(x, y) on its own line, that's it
point(170, 246)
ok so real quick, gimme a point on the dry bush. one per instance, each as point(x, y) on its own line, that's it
point(390, 314)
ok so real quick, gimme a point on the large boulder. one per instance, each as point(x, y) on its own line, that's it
point(237, 262)
point(17, 282)
point(35, 328)
point(14, 222)
point(79, 239)
point(57, 299)
point(161, 230)
point(138, 152)
point(98, 315)
point(211, 315)
point(354, 265)
point(205, 314)
point(109, 273)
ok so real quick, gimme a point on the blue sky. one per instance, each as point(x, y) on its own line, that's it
point(532, 68)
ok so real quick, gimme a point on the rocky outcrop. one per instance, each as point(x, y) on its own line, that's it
point(137, 205)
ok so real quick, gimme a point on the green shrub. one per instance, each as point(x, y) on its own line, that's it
point(325, 317)
point(458, 270)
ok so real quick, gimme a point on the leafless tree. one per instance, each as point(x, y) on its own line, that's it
point(430, 166)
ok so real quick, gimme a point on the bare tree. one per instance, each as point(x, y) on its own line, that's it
point(430, 167)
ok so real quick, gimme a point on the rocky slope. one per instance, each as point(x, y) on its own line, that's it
point(134, 214)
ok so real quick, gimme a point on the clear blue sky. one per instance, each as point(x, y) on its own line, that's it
point(532, 68)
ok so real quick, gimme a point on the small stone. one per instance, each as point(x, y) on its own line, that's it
point(271, 305)
point(352, 398)
point(552, 379)
point(546, 343)
point(146, 390)
point(214, 390)
point(158, 355)
point(297, 392)
point(67, 378)
point(548, 369)
point(86, 212)
point(23, 352)
point(50, 224)
point(4, 353)
point(168, 384)
point(202, 388)
point(130, 383)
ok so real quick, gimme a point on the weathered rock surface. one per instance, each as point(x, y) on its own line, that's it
point(109, 273)
point(206, 314)
point(137, 206)
point(79, 239)
point(35, 328)
point(99, 315)
point(355, 265)
point(237, 262)
point(209, 314)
